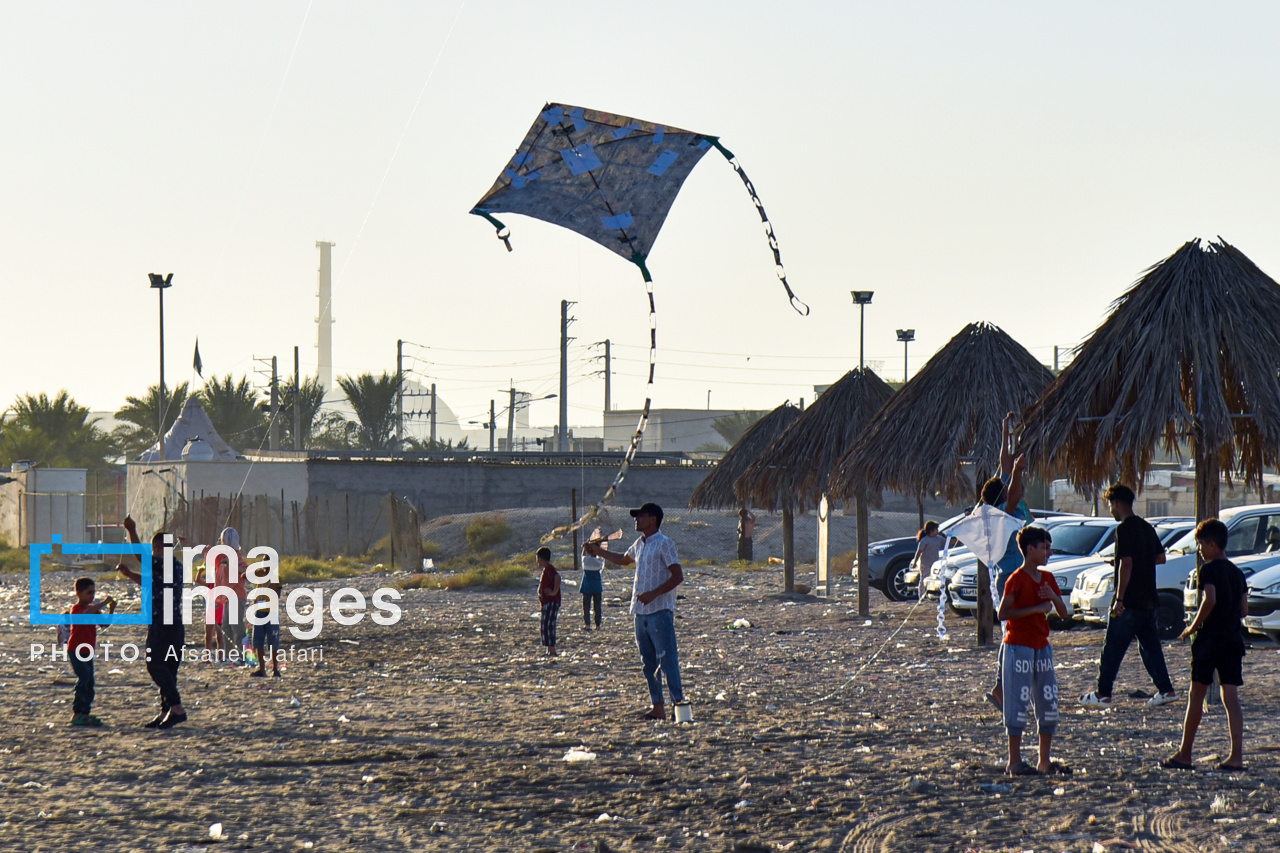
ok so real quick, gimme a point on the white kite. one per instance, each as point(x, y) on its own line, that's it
point(986, 532)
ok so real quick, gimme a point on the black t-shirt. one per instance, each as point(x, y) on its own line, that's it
point(1223, 621)
point(1138, 540)
point(158, 587)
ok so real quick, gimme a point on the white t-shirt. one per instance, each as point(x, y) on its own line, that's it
point(653, 557)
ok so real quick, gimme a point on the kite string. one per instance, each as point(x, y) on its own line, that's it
point(593, 512)
point(798, 305)
point(871, 659)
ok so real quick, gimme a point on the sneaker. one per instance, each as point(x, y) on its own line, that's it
point(85, 720)
point(1162, 699)
point(1093, 700)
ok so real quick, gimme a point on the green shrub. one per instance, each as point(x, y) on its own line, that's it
point(431, 550)
point(299, 569)
point(484, 533)
point(14, 560)
point(498, 576)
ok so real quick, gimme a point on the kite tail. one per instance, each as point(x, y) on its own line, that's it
point(504, 233)
point(591, 514)
point(768, 226)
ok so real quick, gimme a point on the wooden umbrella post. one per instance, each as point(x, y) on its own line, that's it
point(985, 614)
point(788, 550)
point(864, 570)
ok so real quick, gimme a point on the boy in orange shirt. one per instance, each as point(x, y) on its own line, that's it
point(1029, 596)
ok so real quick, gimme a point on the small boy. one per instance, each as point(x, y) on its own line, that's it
point(267, 636)
point(1029, 596)
point(549, 598)
point(82, 648)
point(1216, 644)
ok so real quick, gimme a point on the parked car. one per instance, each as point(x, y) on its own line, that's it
point(1264, 596)
point(1247, 533)
point(1169, 529)
point(1073, 537)
point(959, 555)
point(889, 560)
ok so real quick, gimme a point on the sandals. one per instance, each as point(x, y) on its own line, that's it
point(1057, 768)
point(649, 715)
point(1230, 768)
point(1093, 700)
point(1023, 769)
point(1174, 764)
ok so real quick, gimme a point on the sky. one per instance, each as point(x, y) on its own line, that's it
point(1016, 163)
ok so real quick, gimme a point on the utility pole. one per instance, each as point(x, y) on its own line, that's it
point(275, 405)
point(297, 403)
point(608, 378)
point(433, 415)
point(399, 395)
point(511, 419)
point(562, 434)
point(493, 427)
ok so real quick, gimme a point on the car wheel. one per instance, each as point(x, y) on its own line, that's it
point(1169, 614)
point(895, 588)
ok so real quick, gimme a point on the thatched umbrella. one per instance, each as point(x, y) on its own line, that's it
point(944, 424)
point(1190, 352)
point(796, 469)
point(716, 491)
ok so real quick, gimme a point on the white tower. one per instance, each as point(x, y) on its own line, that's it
point(324, 335)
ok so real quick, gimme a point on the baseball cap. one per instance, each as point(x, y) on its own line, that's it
point(648, 509)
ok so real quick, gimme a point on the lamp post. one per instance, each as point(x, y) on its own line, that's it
point(862, 298)
point(160, 284)
point(906, 336)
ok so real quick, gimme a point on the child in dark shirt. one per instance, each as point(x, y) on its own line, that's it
point(1216, 645)
point(82, 648)
point(549, 598)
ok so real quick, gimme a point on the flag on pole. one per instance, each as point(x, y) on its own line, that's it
point(196, 362)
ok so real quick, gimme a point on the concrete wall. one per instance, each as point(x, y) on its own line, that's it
point(40, 502)
point(669, 430)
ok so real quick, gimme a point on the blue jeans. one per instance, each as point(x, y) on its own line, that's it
point(83, 669)
point(1121, 631)
point(656, 639)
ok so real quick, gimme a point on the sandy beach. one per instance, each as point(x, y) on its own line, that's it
point(814, 730)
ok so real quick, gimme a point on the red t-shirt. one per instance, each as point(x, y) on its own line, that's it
point(550, 580)
point(82, 635)
point(1022, 591)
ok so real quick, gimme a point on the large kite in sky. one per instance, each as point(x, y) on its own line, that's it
point(613, 180)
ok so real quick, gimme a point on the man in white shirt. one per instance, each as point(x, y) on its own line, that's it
point(653, 604)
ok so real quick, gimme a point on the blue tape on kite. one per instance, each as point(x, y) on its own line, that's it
point(555, 115)
point(702, 143)
point(520, 159)
point(579, 123)
point(622, 220)
point(626, 131)
point(664, 161)
point(581, 159)
point(518, 180)
point(658, 133)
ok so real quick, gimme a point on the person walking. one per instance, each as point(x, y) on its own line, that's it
point(653, 604)
point(1133, 609)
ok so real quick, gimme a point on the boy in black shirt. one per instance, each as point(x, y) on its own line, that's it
point(1133, 609)
point(1216, 644)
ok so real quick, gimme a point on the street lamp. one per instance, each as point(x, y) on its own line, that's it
point(906, 336)
point(862, 298)
point(160, 283)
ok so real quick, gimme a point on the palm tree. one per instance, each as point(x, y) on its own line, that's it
point(236, 411)
point(310, 397)
point(731, 427)
point(54, 432)
point(140, 414)
point(374, 400)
